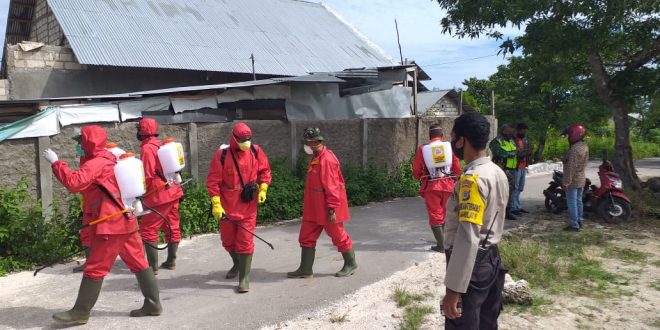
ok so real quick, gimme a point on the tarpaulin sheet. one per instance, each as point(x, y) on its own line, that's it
point(200, 116)
point(233, 95)
point(323, 102)
point(134, 109)
point(194, 102)
point(88, 113)
point(41, 124)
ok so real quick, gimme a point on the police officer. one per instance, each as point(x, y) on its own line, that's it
point(505, 154)
point(475, 274)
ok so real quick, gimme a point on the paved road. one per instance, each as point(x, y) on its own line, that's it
point(389, 237)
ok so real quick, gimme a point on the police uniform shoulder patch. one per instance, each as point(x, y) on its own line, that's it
point(471, 205)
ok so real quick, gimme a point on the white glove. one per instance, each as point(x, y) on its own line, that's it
point(50, 155)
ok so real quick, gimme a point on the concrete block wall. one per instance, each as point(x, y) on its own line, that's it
point(4, 92)
point(45, 27)
point(46, 57)
point(387, 142)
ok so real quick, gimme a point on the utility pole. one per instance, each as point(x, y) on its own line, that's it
point(396, 25)
point(254, 76)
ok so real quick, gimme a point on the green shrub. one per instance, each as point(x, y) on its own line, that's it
point(26, 238)
point(557, 146)
point(195, 211)
point(285, 195)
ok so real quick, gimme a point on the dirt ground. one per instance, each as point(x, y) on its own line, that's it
point(635, 307)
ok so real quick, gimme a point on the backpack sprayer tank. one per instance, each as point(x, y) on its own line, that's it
point(112, 147)
point(130, 177)
point(172, 160)
point(437, 158)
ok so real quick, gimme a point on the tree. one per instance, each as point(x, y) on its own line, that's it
point(480, 91)
point(614, 43)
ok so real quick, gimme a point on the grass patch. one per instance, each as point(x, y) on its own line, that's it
point(557, 262)
point(415, 316)
point(539, 306)
point(339, 318)
point(625, 254)
point(403, 298)
point(655, 284)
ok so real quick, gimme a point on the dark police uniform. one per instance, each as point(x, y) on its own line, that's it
point(474, 267)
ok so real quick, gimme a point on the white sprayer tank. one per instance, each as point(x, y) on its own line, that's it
point(112, 147)
point(172, 159)
point(437, 158)
point(130, 177)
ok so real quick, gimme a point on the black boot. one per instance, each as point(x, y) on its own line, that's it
point(170, 263)
point(87, 295)
point(149, 288)
point(152, 255)
point(81, 267)
point(233, 272)
point(244, 267)
point(306, 263)
point(438, 233)
point(509, 215)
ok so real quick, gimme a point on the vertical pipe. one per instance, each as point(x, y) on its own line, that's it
point(45, 178)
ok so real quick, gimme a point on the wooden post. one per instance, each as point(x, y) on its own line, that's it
point(45, 178)
point(492, 101)
point(415, 91)
point(460, 104)
point(365, 142)
point(294, 144)
point(193, 150)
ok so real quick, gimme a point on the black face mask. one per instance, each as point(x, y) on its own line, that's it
point(458, 152)
point(507, 136)
point(139, 137)
point(521, 135)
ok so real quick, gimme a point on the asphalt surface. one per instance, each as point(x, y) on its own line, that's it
point(389, 237)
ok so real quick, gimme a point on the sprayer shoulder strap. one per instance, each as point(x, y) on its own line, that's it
point(158, 173)
point(224, 154)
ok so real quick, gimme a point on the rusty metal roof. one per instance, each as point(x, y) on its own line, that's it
point(287, 37)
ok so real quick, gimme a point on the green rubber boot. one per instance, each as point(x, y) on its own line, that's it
point(439, 234)
point(349, 264)
point(233, 272)
point(170, 263)
point(81, 267)
point(306, 264)
point(244, 266)
point(152, 255)
point(149, 288)
point(87, 295)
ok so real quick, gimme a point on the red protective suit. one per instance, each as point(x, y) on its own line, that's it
point(435, 192)
point(117, 235)
point(223, 181)
point(160, 195)
point(324, 189)
point(87, 196)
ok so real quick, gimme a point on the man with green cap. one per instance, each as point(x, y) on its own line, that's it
point(325, 207)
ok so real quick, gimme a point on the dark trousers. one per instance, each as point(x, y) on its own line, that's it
point(482, 302)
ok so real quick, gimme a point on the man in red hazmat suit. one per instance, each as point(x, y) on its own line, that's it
point(116, 236)
point(435, 190)
point(325, 207)
point(161, 195)
point(234, 172)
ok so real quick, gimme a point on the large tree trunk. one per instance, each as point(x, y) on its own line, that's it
point(623, 158)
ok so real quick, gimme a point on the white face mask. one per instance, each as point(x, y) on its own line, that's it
point(308, 149)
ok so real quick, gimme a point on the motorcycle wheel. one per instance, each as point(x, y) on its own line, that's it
point(556, 207)
point(615, 210)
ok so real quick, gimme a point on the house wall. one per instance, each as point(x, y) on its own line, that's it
point(446, 106)
point(53, 71)
point(45, 27)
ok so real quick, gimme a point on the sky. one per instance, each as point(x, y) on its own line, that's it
point(446, 59)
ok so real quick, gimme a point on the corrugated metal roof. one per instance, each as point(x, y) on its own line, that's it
point(287, 37)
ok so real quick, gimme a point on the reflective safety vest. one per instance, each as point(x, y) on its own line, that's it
point(509, 146)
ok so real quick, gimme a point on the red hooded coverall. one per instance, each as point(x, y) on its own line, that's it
point(164, 198)
point(324, 189)
point(223, 181)
point(435, 192)
point(117, 236)
point(86, 206)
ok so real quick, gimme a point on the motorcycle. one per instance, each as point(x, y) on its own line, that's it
point(608, 201)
